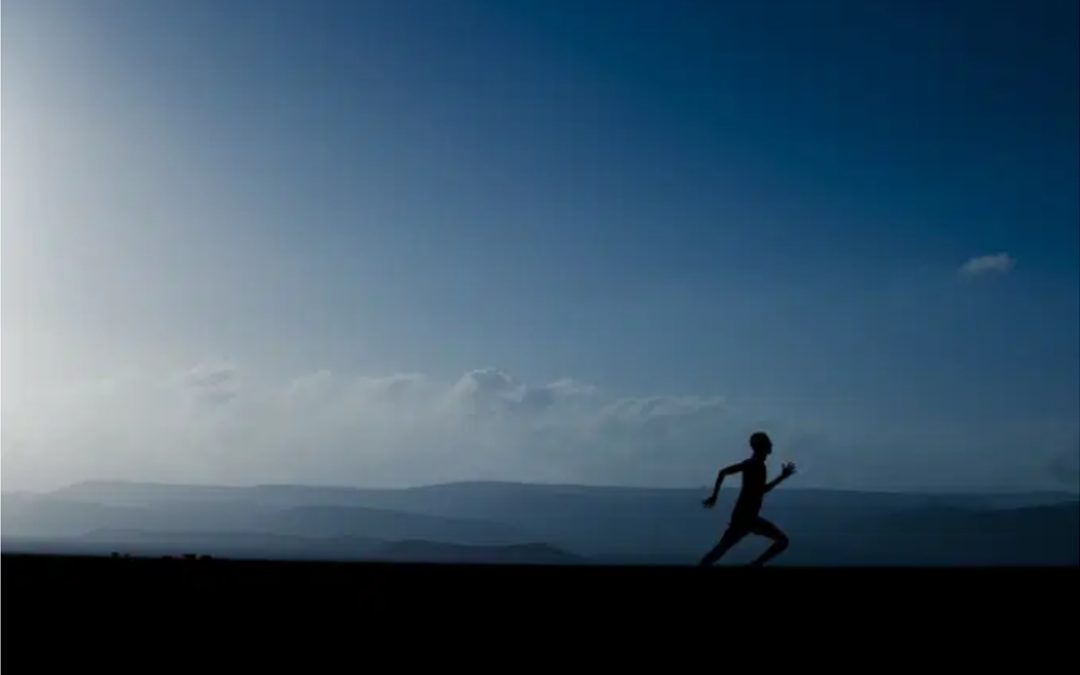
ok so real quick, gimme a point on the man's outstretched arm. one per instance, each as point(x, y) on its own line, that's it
point(787, 472)
point(724, 473)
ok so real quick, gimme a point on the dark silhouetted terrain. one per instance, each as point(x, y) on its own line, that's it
point(542, 524)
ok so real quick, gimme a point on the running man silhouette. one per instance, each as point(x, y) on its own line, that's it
point(745, 518)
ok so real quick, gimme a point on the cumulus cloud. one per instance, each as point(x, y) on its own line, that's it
point(213, 424)
point(219, 423)
point(1000, 263)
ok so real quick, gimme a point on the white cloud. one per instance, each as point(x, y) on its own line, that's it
point(1066, 467)
point(215, 424)
point(218, 423)
point(1000, 263)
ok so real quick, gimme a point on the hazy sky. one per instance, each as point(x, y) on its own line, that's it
point(403, 241)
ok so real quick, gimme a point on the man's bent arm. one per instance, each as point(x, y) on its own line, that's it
point(724, 473)
point(773, 483)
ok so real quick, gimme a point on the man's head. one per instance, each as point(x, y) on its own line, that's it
point(761, 444)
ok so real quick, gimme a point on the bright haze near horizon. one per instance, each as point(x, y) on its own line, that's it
point(398, 242)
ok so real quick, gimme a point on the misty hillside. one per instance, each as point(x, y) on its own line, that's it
point(595, 523)
point(236, 545)
point(246, 545)
point(335, 521)
point(1010, 537)
point(52, 516)
point(426, 551)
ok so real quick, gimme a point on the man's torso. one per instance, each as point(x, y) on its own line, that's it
point(753, 490)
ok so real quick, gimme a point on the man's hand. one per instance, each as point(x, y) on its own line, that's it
point(787, 470)
point(710, 502)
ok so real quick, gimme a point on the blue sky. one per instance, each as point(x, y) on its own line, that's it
point(768, 202)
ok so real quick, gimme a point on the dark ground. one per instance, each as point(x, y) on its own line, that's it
point(152, 588)
point(147, 615)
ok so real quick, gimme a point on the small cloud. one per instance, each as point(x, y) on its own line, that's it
point(1066, 467)
point(1001, 263)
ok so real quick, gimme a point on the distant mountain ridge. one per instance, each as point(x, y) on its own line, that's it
point(612, 524)
point(49, 516)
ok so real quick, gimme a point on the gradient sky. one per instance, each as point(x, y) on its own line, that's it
point(856, 224)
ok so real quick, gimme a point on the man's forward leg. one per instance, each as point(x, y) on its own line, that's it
point(764, 528)
point(731, 537)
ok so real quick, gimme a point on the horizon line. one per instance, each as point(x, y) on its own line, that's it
point(577, 486)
